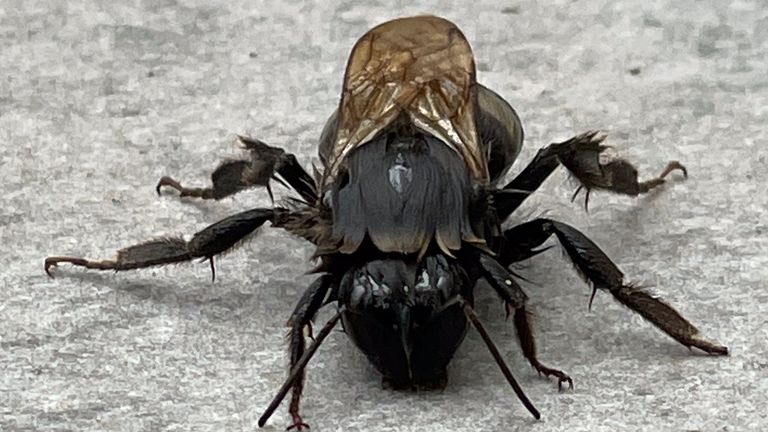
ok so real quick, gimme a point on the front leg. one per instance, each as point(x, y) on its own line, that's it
point(205, 244)
point(581, 156)
point(528, 344)
point(311, 301)
point(265, 163)
point(514, 299)
point(297, 371)
point(596, 268)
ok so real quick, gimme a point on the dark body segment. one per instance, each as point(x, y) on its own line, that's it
point(392, 318)
point(403, 243)
point(422, 191)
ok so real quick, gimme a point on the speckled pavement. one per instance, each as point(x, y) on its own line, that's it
point(97, 102)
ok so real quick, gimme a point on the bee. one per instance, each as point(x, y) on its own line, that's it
point(406, 214)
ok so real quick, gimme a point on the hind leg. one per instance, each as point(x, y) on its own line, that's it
point(205, 245)
point(596, 268)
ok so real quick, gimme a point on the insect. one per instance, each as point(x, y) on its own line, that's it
point(406, 214)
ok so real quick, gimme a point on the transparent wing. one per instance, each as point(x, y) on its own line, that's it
point(421, 67)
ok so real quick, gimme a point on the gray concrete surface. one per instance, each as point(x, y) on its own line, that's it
point(97, 101)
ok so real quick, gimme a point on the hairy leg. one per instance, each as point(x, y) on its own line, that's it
point(298, 370)
point(265, 163)
point(205, 244)
point(581, 156)
point(596, 268)
point(514, 299)
point(475, 320)
point(311, 301)
point(528, 345)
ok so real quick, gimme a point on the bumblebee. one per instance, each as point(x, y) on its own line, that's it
point(406, 213)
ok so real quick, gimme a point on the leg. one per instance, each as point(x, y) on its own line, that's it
point(307, 307)
point(298, 369)
point(514, 299)
point(528, 344)
point(596, 268)
point(581, 156)
point(207, 243)
point(265, 163)
point(473, 318)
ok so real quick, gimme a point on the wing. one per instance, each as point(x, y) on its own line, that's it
point(422, 67)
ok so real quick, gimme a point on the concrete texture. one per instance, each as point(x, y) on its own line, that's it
point(98, 101)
